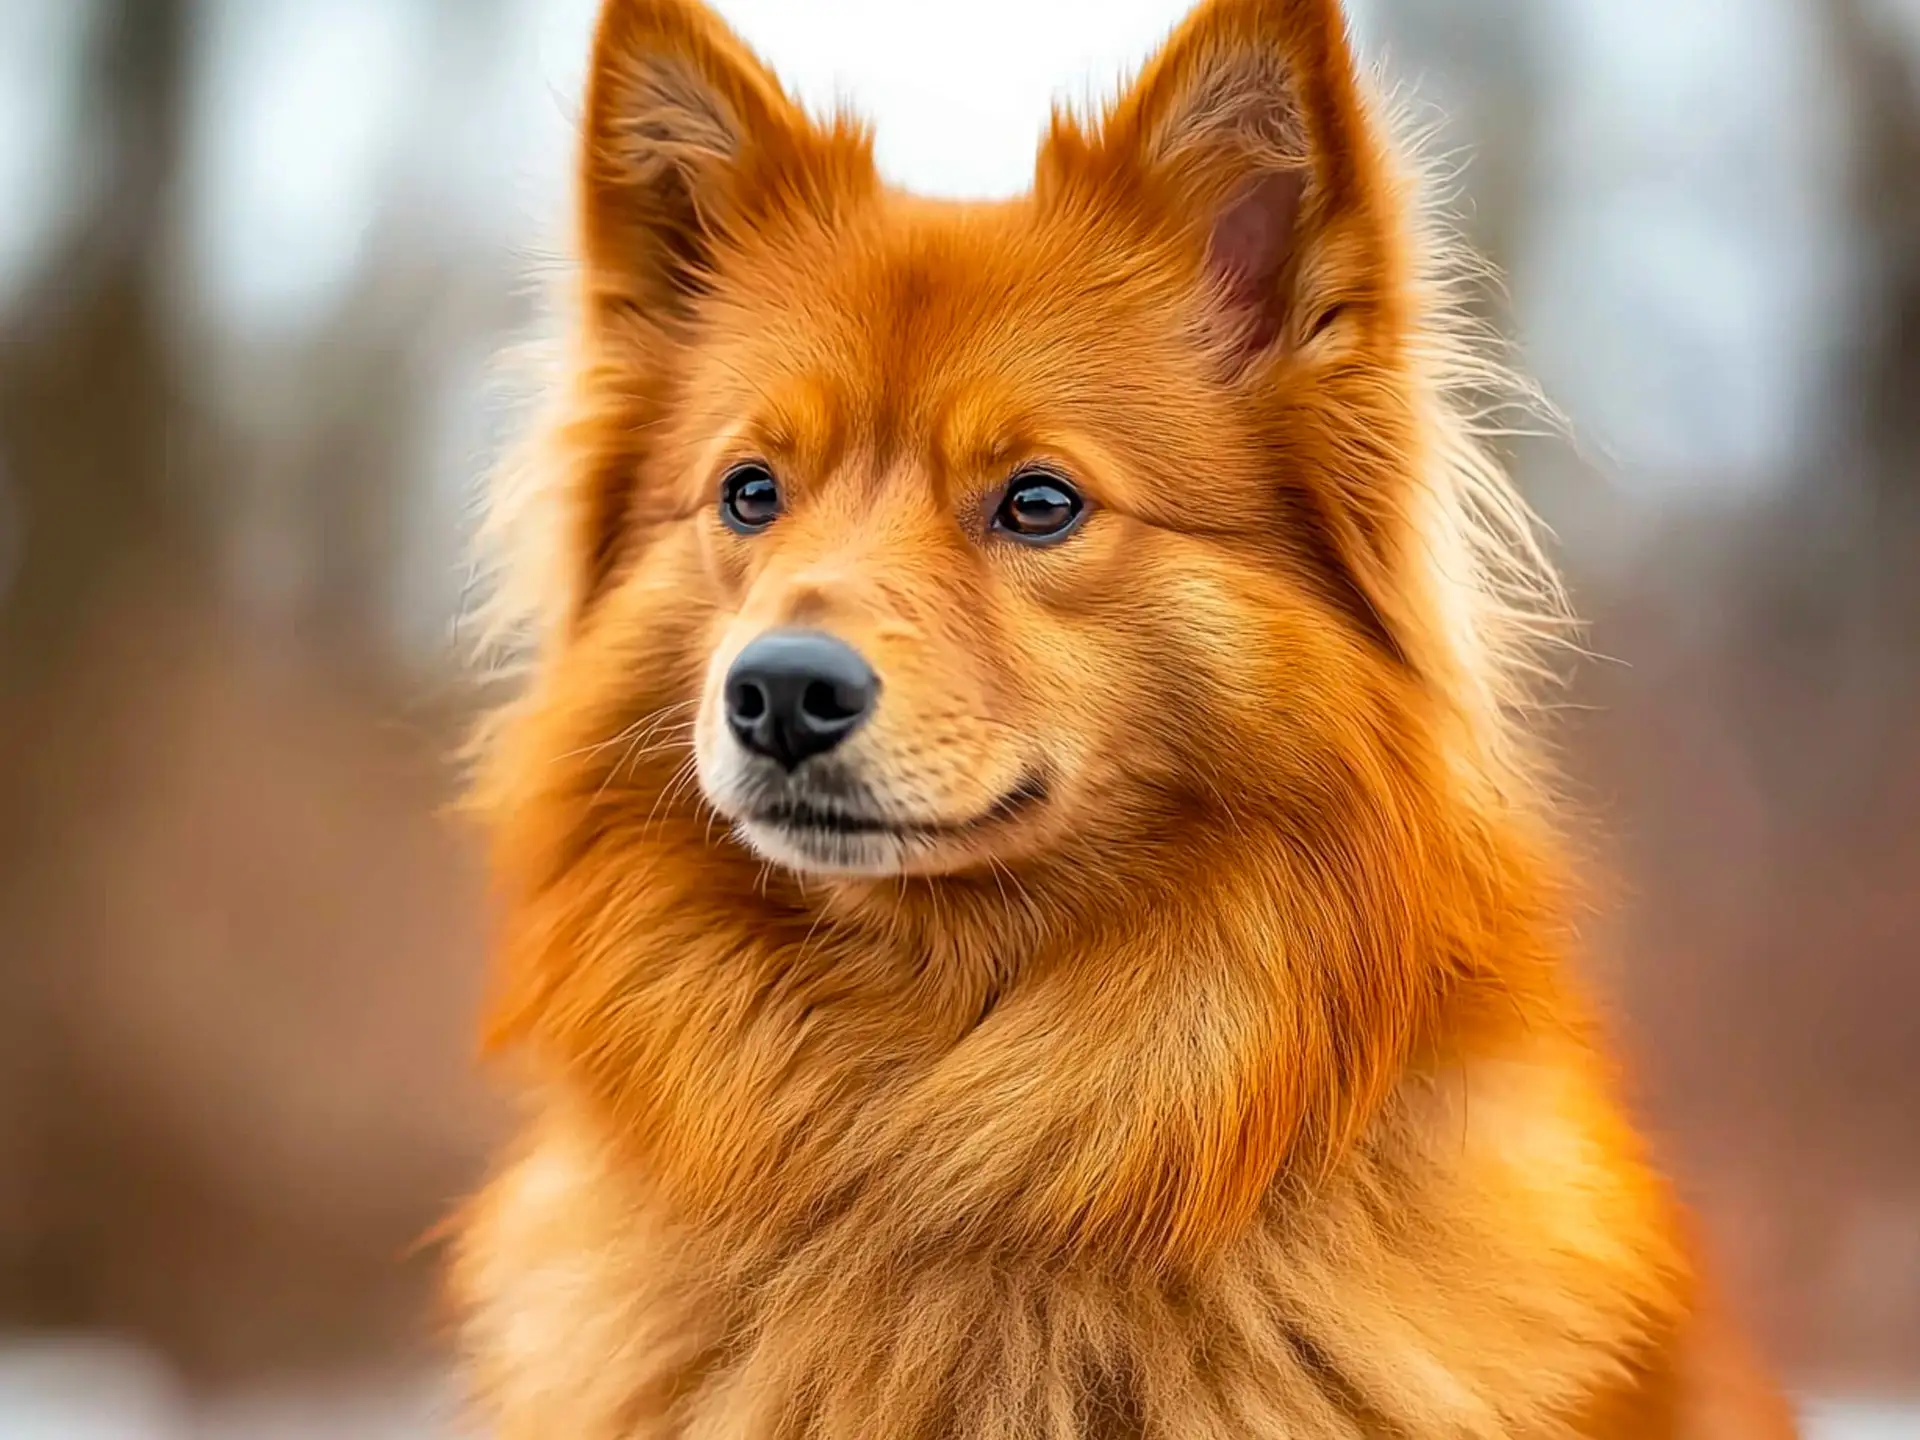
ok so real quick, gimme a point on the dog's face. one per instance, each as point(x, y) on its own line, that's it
point(989, 555)
point(956, 536)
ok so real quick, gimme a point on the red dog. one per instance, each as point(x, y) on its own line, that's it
point(1030, 912)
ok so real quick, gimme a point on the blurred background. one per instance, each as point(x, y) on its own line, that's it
point(256, 257)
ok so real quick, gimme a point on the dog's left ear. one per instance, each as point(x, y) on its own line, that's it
point(1248, 136)
point(1246, 161)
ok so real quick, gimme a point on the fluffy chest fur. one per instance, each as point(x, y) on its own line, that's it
point(1485, 1268)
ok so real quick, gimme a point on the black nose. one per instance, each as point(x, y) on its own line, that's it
point(793, 694)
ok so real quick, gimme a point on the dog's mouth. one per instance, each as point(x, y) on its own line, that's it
point(803, 816)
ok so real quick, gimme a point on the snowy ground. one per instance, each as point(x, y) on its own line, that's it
point(89, 1390)
point(86, 1390)
point(1863, 1422)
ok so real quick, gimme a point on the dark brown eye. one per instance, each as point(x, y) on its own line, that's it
point(749, 498)
point(1039, 508)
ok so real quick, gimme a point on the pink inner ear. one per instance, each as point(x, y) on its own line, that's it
point(1248, 252)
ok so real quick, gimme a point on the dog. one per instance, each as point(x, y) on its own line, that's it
point(1029, 903)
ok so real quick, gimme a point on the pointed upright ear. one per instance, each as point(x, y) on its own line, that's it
point(690, 151)
point(1246, 156)
point(1248, 127)
point(687, 138)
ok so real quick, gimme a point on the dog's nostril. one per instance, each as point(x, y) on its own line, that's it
point(831, 704)
point(748, 702)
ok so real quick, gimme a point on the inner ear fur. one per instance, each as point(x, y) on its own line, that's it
point(1248, 134)
point(687, 139)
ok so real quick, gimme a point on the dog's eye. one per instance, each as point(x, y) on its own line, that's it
point(1038, 507)
point(749, 498)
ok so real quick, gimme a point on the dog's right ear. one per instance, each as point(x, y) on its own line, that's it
point(690, 151)
point(688, 137)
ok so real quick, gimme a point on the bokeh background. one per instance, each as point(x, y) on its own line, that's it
point(256, 257)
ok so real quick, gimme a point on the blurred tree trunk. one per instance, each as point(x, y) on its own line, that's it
point(1880, 77)
point(88, 406)
point(237, 951)
point(91, 435)
point(1837, 585)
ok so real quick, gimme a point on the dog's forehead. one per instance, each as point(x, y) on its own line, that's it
point(959, 330)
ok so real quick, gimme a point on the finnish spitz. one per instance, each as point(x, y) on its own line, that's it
point(1030, 906)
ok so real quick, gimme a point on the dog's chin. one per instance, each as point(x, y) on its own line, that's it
point(814, 850)
point(835, 838)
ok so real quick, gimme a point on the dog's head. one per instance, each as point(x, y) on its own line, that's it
point(944, 537)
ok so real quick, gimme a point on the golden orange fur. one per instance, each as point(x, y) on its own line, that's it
point(1199, 1060)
